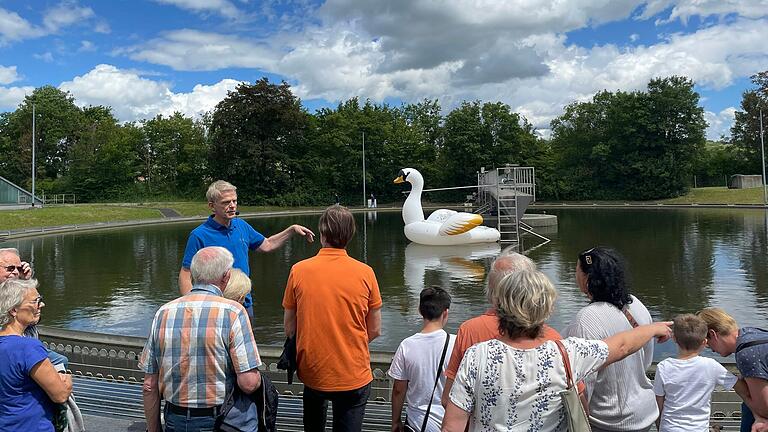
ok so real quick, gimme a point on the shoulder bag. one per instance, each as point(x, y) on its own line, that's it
point(434, 387)
point(574, 412)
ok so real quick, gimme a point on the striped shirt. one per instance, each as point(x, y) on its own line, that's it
point(195, 345)
point(621, 397)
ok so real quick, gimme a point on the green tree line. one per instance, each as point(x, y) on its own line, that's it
point(619, 145)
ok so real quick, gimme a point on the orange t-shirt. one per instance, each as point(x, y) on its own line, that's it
point(332, 294)
point(480, 329)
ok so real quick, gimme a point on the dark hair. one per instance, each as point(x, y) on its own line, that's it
point(690, 331)
point(337, 226)
point(606, 278)
point(433, 302)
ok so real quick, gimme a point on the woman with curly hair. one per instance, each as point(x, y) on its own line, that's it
point(620, 396)
point(513, 383)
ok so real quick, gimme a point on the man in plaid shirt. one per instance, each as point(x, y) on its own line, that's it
point(199, 346)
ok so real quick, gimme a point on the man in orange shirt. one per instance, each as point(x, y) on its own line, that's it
point(333, 306)
point(486, 326)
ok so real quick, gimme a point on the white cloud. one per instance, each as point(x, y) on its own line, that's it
point(193, 50)
point(222, 7)
point(11, 97)
point(13, 27)
point(46, 57)
point(65, 14)
point(634, 37)
point(720, 123)
point(86, 46)
point(133, 97)
point(8, 74)
point(685, 9)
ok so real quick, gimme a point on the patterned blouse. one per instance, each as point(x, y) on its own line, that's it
point(506, 388)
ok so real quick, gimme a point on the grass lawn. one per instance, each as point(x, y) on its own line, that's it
point(719, 195)
point(72, 214)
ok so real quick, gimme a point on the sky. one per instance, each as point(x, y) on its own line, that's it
point(150, 57)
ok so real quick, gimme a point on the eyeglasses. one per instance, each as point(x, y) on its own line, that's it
point(11, 268)
point(586, 256)
point(38, 300)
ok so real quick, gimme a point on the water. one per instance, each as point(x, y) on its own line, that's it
point(680, 260)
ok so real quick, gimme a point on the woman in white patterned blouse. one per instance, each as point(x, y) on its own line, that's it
point(514, 382)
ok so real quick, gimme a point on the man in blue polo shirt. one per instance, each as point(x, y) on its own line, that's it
point(236, 235)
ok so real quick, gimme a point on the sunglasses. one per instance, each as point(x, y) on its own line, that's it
point(13, 267)
point(586, 257)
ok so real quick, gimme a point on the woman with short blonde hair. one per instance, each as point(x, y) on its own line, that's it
point(750, 345)
point(238, 287)
point(514, 382)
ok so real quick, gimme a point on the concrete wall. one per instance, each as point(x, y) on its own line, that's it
point(740, 181)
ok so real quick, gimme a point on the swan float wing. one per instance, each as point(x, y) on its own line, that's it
point(459, 223)
point(441, 215)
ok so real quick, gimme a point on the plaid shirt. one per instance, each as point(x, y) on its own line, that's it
point(195, 344)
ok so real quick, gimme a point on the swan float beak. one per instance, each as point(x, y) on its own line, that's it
point(399, 179)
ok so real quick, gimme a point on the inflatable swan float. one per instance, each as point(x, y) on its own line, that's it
point(443, 227)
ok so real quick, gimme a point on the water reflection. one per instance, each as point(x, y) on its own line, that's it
point(680, 260)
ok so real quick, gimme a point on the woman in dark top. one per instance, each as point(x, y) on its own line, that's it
point(750, 345)
point(29, 385)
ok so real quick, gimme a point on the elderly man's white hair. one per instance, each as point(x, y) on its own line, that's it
point(210, 264)
point(506, 263)
point(13, 251)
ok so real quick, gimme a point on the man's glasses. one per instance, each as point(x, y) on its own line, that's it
point(13, 267)
point(38, 300)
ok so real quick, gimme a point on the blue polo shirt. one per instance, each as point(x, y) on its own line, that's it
point(24, 406)
point(238, 238)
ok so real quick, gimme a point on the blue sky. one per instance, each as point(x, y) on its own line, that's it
point(145, 58)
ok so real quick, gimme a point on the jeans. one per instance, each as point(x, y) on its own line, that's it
point(182, 423)
point(348, 409)
point(747, 418)
point(57, 359)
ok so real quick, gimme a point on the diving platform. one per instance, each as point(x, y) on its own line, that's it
point(506, 192)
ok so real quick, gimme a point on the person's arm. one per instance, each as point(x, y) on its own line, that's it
point(275, 241)
point(660, 403)
point(57, 386)
point(446, 396)
point(399, 388)
point(249, 381)
point(26, 271)
point(185, 281)
point(289, 322)
point(455, 419)
point(150, 392)
point(627, 342)
point(755, 396)
point(373, 324)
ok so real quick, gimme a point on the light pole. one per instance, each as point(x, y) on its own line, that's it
point(762, 152)
point(33, 155)
point(364, 196)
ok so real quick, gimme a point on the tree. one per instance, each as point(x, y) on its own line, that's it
point(745, 132)
point(258, 140)
point(638, 145)
point(58, 125)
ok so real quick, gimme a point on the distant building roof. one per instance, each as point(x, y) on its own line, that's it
point(3, 179)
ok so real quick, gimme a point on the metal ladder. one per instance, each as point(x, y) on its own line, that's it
point(506, 205)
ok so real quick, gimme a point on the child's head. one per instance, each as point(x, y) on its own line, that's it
point(433, 302)
point(690, 332)
point(238, 287)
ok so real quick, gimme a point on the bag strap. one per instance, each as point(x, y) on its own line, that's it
point(437, 380)
point(630, 318)
point(751, 344)
point(566, 363)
